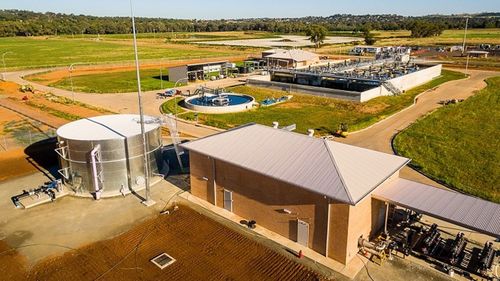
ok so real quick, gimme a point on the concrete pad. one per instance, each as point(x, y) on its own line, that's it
point(71, 222)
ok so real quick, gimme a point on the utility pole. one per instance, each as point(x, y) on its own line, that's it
point(175, 96)
point(467, 66)
point(161, 73)
point(465, 34)
point(148, 201)
point(70, 69)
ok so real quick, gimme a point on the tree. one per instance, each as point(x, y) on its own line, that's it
point(369, 38)
point(317, 34)
point(422, 28)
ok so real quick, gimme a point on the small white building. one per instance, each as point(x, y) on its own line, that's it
point(293, 58)
point(478, 54)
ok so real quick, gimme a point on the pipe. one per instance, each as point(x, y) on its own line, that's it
point(94, 158)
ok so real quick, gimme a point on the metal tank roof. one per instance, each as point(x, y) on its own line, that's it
point(467, 211)
point(106, 127)
point(342, 172)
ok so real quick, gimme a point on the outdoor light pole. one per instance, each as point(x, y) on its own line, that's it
point(161, 73)
point(467, 66)
point(148, 201)
point(175, 97)
point(4, 66)
point(465, 34)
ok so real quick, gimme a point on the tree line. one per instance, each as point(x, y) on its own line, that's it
point(27, 23)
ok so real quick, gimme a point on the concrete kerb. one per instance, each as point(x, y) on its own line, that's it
point(406, 108)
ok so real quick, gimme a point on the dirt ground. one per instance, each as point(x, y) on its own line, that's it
point(203, 249)
point(13, 164)
point(40, 113)
point(12, 264)
point(47, 78)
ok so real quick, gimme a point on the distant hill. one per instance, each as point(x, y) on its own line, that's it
point(27, 23)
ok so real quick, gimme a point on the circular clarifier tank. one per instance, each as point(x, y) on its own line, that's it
point(219, 103)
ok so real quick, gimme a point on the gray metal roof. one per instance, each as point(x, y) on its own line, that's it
point(340, 171)
point(294, 54)
point(460, 209)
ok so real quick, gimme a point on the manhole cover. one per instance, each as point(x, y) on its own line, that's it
point(163, 260)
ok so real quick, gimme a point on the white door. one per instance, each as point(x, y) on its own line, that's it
point(228, 200)
point(302, 233)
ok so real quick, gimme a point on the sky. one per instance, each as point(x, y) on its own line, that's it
point(231, 9)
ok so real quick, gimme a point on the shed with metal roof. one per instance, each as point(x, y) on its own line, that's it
point(310, 190)
point(319, 193)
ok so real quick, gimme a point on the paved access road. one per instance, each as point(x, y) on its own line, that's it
point(126, 102)
point(379, 136)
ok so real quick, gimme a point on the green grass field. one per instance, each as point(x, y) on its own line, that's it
point(41, 52)
point(190, 36)
point(319, 113)
point(459, 144)
point(31, 52)
point(402, 37)
point(116, 82)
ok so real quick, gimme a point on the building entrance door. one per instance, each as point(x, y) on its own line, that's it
point(302, 233)
point(228, 200)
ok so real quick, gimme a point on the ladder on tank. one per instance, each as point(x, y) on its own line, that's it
point(172, 128)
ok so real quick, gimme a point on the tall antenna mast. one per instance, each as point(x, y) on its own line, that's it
point(148, 201)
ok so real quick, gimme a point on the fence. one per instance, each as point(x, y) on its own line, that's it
point(24, 138)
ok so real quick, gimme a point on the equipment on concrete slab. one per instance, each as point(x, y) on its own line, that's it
point(48, 188)
point(486, 258)
point(431, 240)
point(457, 248)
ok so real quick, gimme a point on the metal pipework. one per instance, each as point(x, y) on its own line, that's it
point(457, 247)
point(47, 188)
point(377, 249)
point(431, 239)
point(487, 256)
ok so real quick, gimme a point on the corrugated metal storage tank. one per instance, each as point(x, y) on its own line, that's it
point(105, 153)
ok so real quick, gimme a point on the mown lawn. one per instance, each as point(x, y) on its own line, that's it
point(116, 82)
point(324, 115)
point(459, 144)
point(28, 52)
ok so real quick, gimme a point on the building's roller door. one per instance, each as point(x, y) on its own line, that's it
point(466, 211)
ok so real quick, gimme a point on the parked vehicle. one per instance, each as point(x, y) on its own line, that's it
point(167, 94)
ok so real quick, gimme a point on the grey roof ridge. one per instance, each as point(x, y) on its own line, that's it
point(332, 157)
point(378, 184)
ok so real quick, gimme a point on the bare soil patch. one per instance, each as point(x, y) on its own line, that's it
point(14, 164)
point(203, 249)
point(12, 264)
point(18, 119)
